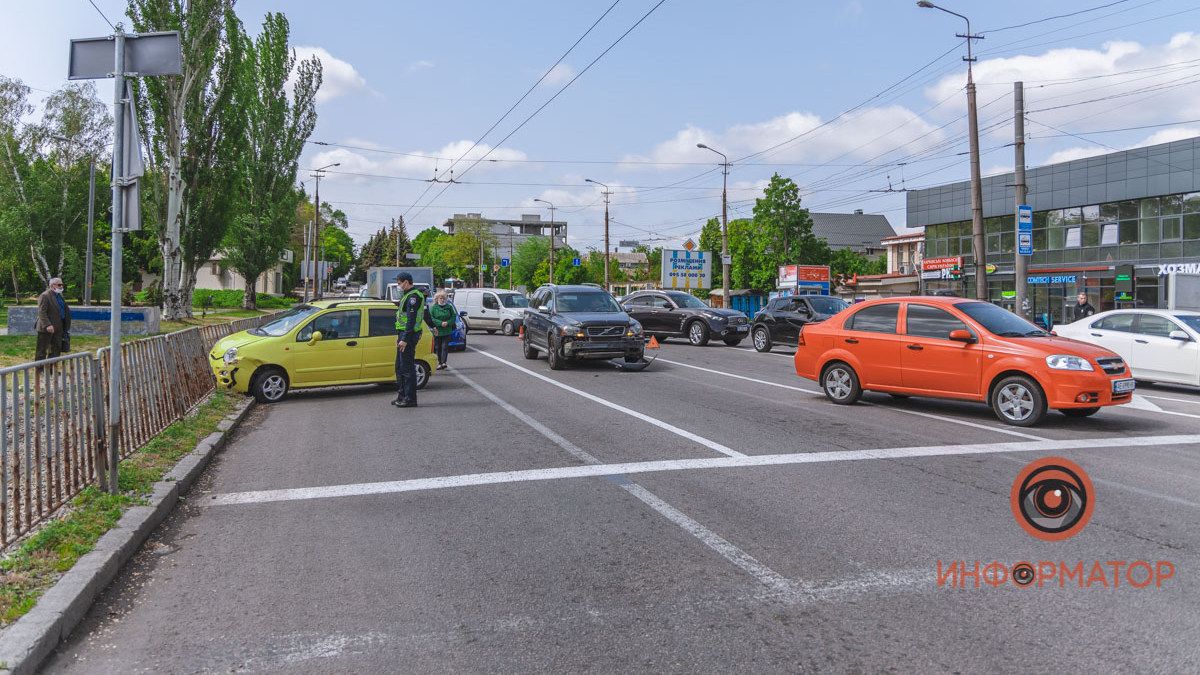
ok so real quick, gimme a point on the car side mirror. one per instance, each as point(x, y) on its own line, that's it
point(463, 313)
point(316, 337)
point(1179, 335)
point(962, 335)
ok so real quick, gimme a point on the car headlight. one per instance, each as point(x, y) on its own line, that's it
point(714, 317)
point(572, 329)
point(635, 329)
point(1067, 362)
point(230, 355)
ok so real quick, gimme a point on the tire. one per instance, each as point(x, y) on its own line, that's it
point(761, 337)
point(1079, 412)
point(423, 373)
point(529, 351)
point(507, 328)
point(733, 341)
point(491, 331)
point(697, 333)
point(840, 383)
point(553, 357)
point(270, 385)
point(1019, 401)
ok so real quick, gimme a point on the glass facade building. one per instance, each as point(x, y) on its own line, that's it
point(1092, 217)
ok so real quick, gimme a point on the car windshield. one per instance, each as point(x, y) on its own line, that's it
point(999, 321)
point(586, 301)
point(687, 300)
point(1190, 320)
point(286, 321)
point(826, 305)
point(513, 301)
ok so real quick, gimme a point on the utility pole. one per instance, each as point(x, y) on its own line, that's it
point(397, 235)
point(978, 245)
point(607, 193)
point(479, 268)
point(115, 286)
point(725, 260)
point(552, 235)
point(87, 268)
point(1022, 193)
point(510, 260)
point(316, 239)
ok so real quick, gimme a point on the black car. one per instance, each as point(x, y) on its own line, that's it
point(665, 314)
point(781, 320)
point(570, 323)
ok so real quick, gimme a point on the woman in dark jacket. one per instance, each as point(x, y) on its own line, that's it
point(444, 317)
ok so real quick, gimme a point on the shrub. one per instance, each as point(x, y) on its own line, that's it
point(233, 299)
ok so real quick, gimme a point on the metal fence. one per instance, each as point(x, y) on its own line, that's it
point(54, 414)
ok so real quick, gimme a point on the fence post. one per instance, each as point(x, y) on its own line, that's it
point(99, 428)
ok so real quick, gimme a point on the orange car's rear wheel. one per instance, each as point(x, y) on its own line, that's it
point(840, 383)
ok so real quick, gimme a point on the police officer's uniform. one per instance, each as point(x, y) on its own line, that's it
point(410, 320)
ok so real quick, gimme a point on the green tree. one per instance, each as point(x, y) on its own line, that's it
point(527, 258)
point(193, 130)
point(848, 262)
point(338, 248)
point(277, 128)
point(782, 235)
point(653, 262)
point(710, 238)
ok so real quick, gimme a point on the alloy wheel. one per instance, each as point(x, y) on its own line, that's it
point(1015, 402)
point(274, 387)
point(760, 339)
point(838, 383)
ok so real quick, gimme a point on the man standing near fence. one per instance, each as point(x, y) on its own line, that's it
point(53, 321)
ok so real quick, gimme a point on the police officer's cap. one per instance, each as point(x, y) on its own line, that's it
point(403, 276)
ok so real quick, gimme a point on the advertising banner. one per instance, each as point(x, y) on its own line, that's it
point(686, 269)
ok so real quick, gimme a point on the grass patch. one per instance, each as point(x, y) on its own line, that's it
point(41, 559)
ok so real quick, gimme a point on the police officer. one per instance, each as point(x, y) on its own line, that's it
point(411, 318)
point(1082, 309)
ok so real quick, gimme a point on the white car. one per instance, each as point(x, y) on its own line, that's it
point(1159, 345)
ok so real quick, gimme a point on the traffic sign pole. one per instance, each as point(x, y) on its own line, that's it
point(1024, 211)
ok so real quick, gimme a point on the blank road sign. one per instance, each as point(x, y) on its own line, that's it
point(148, 54)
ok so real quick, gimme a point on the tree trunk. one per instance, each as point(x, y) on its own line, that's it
point(188, 289)
point(16, 289)
point(250, 301)
point(174, 305)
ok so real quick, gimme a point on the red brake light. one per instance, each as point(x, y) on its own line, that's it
point(800, 338)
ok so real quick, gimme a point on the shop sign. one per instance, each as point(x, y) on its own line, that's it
point(812, 273)
point(1052, 279)
point(930, 264)
point(1180, 268)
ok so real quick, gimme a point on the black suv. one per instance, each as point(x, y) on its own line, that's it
point(781, 320)
point(570, 323)
point(677, 314)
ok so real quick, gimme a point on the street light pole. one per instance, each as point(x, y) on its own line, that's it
point(1020, 264)
point(725, 300)
point(607, 193)
point(552, 228)
point(315, 247)
point(980, 250)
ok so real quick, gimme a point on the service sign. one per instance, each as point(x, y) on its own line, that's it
point(686, 269)
point(931, 264)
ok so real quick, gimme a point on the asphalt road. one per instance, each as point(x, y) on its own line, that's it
point(750, 525)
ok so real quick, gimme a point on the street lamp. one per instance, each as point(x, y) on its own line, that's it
point(316, 231)
point(724, 225)
point(607, 194)
point(980, 251)
point(552, 228)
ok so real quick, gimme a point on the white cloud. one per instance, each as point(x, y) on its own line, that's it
point(338, 77)
point(416, 66)
point(865, 134)
point(1082, 89)
point(559, 74)
point(417, 164)
point(1068, 154)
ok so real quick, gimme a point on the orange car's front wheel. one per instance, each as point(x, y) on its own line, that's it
point(1019, 401)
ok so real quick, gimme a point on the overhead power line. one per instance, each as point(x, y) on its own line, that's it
point(110, 24)
point(1052, 18)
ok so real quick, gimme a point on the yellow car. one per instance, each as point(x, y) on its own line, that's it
point(319, 344)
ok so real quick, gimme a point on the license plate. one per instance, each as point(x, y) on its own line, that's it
point(743, 329)
point(1122, 386)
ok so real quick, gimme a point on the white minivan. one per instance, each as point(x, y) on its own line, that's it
point(491, 309)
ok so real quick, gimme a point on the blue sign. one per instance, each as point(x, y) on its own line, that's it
point(575, 262)
point(504, 262)
point(1052, 279)
point(1025, 230)
point(812, 288)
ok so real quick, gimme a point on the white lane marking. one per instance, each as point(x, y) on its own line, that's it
point(1138, 402)
point(773, 581)
point(574, 450)
point(706, 442)
point(741, 377)
point(999, 430)
point(559, 473)
point(1167, 398)
point(768, 577)
point(977, 425)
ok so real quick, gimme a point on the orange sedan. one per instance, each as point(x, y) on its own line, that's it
point(959, 349)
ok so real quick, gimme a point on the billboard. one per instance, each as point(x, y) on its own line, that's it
point(787, 275)
point(686, 269)
point(931, 264)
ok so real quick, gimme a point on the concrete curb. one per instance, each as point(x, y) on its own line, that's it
point(26, 643)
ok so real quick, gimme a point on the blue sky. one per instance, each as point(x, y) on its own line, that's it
point(430, 78)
